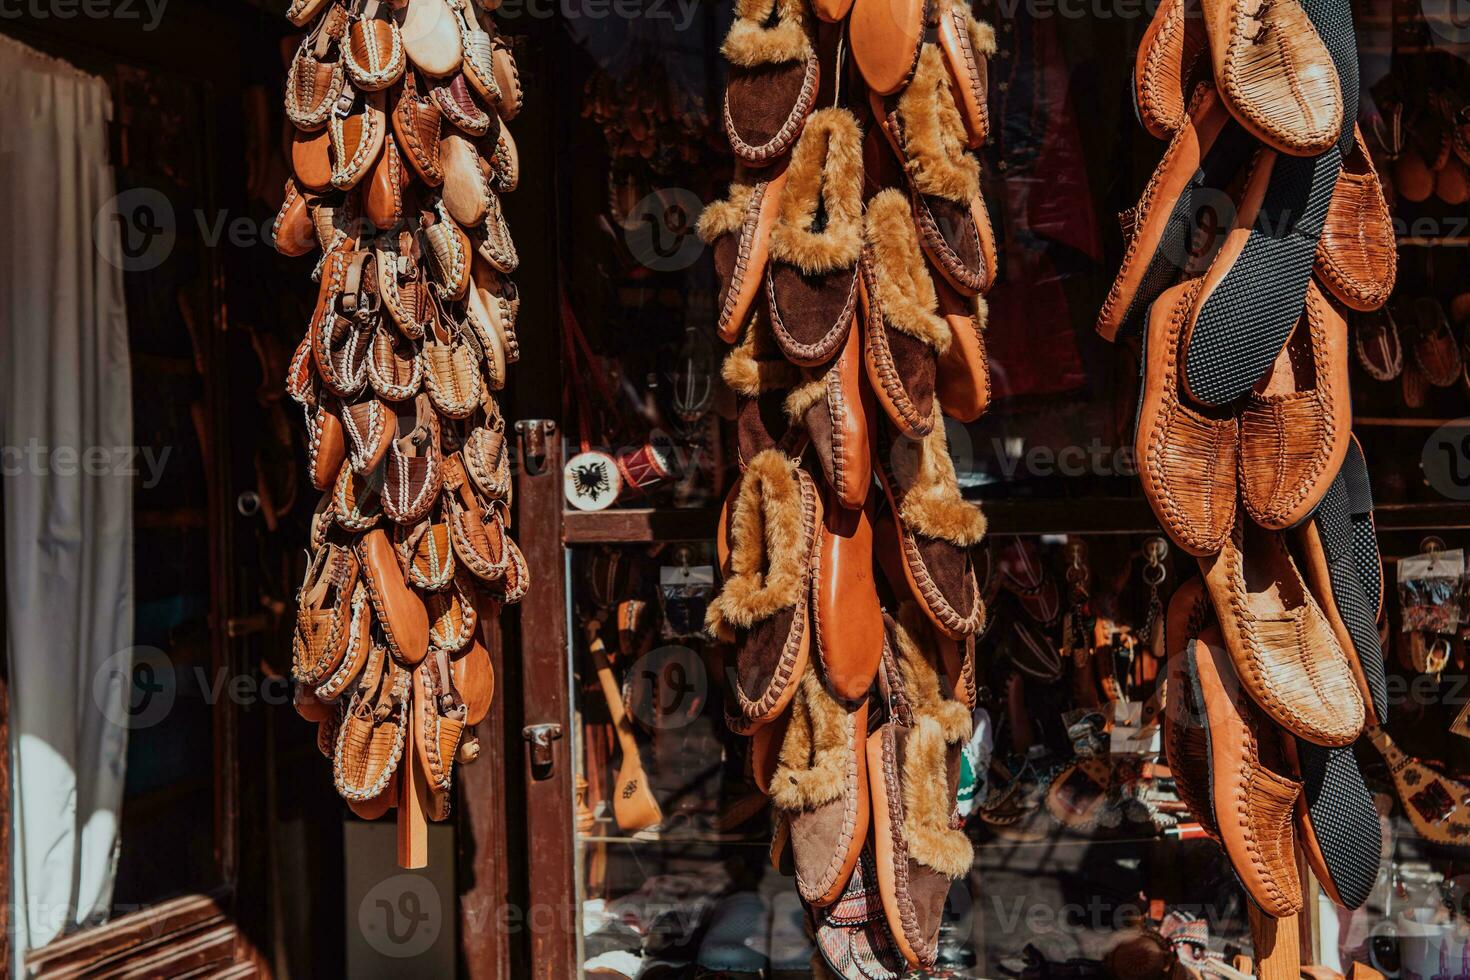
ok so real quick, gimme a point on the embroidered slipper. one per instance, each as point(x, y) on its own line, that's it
point(411, 479)
point(324, 615)
point(1251, 794)
point(886, 36)
point(326, 444)
point(903, 335)
point(847, 615)
point(293, 233)
point(1173, 58)
point(835, 409)
point(1187, 453)
point(816, 240)
point(773, 78)
point(1256, 284)
point(1284, 650)
point(962, 376)
point(395, 371)
point(967, 45)
point(914, 773)
point(370, 740)
point(374, 55)
point(1296, 422)
point(315, 79)
point(927, 134)
point(1183, 196)
point(356, 139)
point(761, 379)
point(431, 36)
point(368, 426)
point(1357, 256)
point(925, 537)
point(398, 610)
point(418, 125)
point(1185, 747)
point(1275, 74)
point(764, 605)
point(738, 230)
point(820, 789)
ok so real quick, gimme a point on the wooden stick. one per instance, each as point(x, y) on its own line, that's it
point(1277, 946)
point(413, 813)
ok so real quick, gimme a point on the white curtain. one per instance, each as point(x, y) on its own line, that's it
point(65, 428)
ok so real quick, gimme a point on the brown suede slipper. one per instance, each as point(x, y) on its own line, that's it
point(1284, 650)
point(775, 529)
point(773, 75)
point(836, 409)
point(925, 537)
point(1252, 797)
point(962, 381)
point(885, 36)
point(903, 335)
point(1357, 257)
point(820, 789)
point(762, 381)
point(967, 44)
point(928, 136)
point(913, 775)
point(1297, 422)
point(817, 238)
point(1173, 58)
point(1186, 453)
point(738, 231)
point(846, 612)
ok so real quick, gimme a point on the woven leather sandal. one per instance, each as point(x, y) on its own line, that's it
point(1357, 257)
point(1173, 58)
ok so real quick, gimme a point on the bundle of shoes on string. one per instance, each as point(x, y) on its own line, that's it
point(1244, 437)
point(853, 250)
point(399, 154)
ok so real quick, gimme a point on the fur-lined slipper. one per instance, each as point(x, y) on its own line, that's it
point(762, 380)
point(1204, 156)
point(1173, 58)
point(962, 380)
point(1357, 258)
point(397, 608)
point(773, 78)
point(765, 603)
point(811, 275)
point(928, 135)
point(1296, 423)
point(836, 410)
point(926, 536)
point(820, 787)
point(886, 36)
point(967, 45)
point(904, 336)
point(846, 612)
point(913, 774)
point(738, 231)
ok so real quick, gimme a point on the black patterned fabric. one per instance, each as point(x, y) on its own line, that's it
point(1343, 819)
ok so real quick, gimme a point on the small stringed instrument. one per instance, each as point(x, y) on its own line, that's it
point(1438, 807)
point(634, 807)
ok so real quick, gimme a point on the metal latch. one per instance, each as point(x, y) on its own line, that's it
point(534, 433)
point(541, 737)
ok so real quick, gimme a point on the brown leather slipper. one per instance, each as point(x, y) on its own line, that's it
point(1357, 257)
point(1185, 745)
point(418, 125)
point(847, 615)
point(761, 380)
point(1284, 650)
point(820, 788)
point(967, 45)
point(341, 338)
point(886, 36)
point(764, 606)
point(1297, 422)
point(913, 774)
point(324, 614)
point(927, 134)
point(438, 720)
point(836, 409)
point(397, 608)
point(773, 76)
point(1253, 799)
point(925, 538)
point(1173, 58)
point(738, 231)
point(355, 657)
point(1186, 453)
point(903, 334)
point(373, 54)
point(370, 741)
point(452, 616)
point(962, 379)
point(817, 238)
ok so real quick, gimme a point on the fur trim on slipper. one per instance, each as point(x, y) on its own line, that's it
point(750, 44)
point(813, 765)
point(934, 142)
point(933, 505)
point(755, 365)
point(769, 556)
point(904, 290)
point(725, 217)
point(915, 635)
point(826, 168)
point(982, 36)
point(804, 396)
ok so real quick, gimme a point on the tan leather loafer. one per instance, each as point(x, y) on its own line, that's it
point(1173, 58)
point(1357, 257)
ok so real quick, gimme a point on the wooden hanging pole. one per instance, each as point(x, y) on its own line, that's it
point(1277, 946)
point(413, 812)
